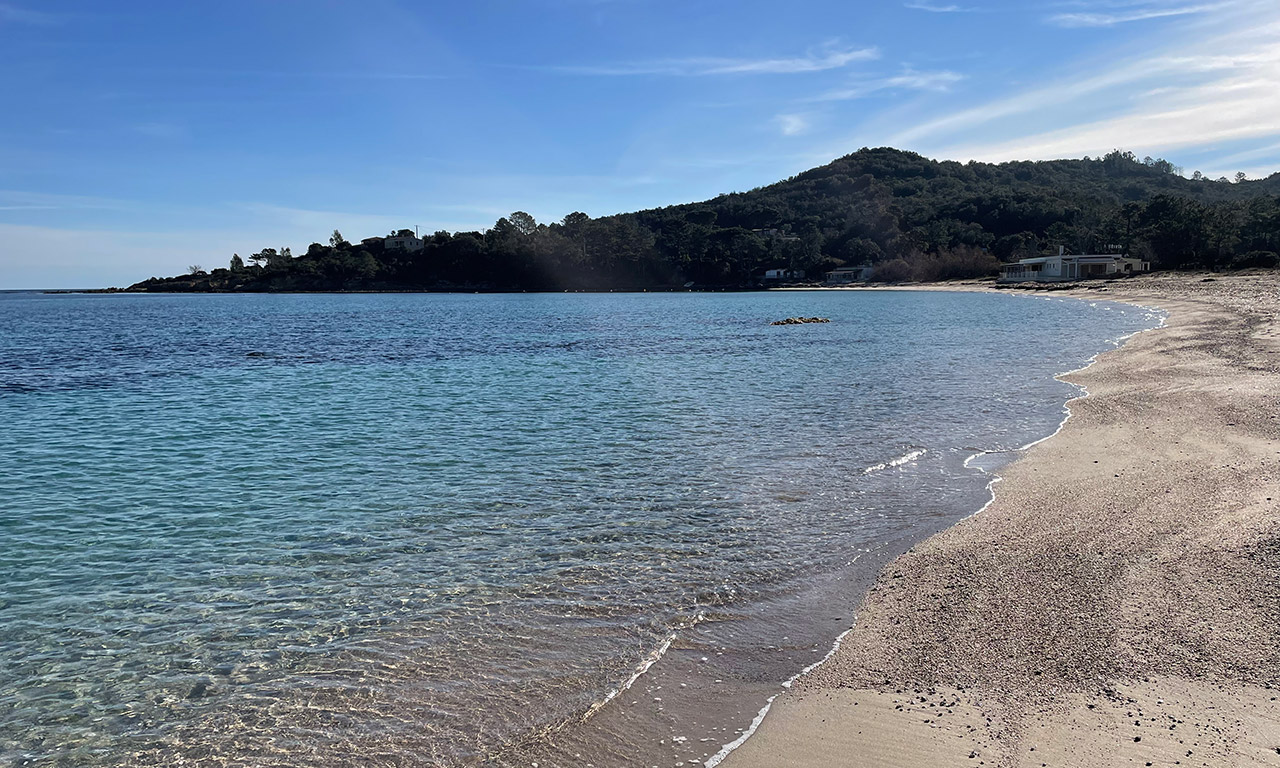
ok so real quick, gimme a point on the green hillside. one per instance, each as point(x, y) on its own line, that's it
point(912, 217)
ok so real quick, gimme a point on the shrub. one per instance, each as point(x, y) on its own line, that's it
point(956, 264)
point(1256, 259)
point(892, 271)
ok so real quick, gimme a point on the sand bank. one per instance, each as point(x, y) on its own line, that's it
point(1119, 601)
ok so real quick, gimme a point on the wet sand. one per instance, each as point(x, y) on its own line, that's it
point(1119, 601)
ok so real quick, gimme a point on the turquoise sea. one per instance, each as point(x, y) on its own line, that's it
point(284, 530)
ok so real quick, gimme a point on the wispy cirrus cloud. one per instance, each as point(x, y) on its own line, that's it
point(934, 8)
point(907, 80)
point(1118, 77)
point(25, 200)
point(159, 130)
point(18, 15)
point(792, 124)
point(704, 66)
point(1251, 155)
point(285, 75)
point(1141, 12)
point(1212, 87)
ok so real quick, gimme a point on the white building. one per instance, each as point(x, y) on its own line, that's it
point(784, 274)
point(1047, 269)
point(774, 233)
point(846, 275)
point(402, 243)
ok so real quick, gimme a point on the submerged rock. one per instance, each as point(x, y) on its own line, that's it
point(800, 320)
point(199, 690)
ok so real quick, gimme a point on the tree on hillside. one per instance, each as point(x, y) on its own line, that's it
point(237, 263)
point(1117, 160)
point(523, 223)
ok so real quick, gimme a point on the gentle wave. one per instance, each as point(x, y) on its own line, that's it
point(645, 665)
point(906, 458)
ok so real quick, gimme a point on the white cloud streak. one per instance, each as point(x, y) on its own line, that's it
point(907, 80)
point(696, 67)
point(931, 8)
point(158, 130)
point(14, 14)
point(22, 200)
point(1250, 155)
point(792, 125)
point(1189, 96)
point(1125, 17)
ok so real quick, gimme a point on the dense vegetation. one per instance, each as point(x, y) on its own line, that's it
point(911, 217)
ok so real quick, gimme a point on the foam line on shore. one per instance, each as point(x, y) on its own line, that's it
point(1082, 390)
point(645, 665)
point(834, 647)
point(727, 749)
point(648, 662)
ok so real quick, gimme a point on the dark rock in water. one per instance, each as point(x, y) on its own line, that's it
point(256, 354)
point(800, 321)
point(199, 690)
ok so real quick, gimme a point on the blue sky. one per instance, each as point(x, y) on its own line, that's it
point(137, 138)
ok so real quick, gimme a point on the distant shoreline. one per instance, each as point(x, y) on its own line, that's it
point(965, 284)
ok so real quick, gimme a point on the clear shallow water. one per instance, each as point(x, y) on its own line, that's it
point(257, 529)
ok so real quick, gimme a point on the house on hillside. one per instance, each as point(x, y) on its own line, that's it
point(773, 233)
point(847, 275)
point(779, 275)
point(1064, 267)
point(404, 240)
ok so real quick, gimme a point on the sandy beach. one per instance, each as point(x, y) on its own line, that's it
point(1119, 601)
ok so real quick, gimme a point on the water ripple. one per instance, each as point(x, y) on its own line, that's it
point(248, 530)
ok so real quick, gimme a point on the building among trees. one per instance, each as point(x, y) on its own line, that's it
point(1067, 267)
point(403, 240)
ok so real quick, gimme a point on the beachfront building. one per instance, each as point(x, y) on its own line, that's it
point(778, 275)
point(1062, 267)
point(847, 275)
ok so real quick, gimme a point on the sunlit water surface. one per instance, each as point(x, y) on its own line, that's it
point(248, 529)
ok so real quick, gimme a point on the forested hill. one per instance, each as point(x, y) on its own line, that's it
point(911, 217)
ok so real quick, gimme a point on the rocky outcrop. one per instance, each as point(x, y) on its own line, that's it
point(800, 320)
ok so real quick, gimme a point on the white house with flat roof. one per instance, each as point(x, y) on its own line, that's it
point(1063, 267)
point(846, 275)
point(403, 242)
